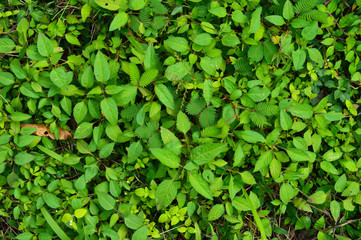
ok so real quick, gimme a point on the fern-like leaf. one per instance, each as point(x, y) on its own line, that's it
point(196, 106)
point(133, 72)
point(243, 67)
point(212, 131)
point(134, 23)
point(267, 109)
point(208, 117)
point(304, 6)
point(159, 22)
point(144, 16)
point(269, 50)
point(148, 77)
point(315, 15)
point(158, 7)
point(130, 112)
point(258, 119)
point(155, 141)
point(148, 130)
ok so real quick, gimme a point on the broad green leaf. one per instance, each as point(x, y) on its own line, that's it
point(134, 151)
point(108, 4)
point(331, 156)
point(230, 40)
point(164, 95)
point(6, 78)
point(178, 44)
point(6, 45)
point(101, 68)
point(220, 12)
point(208, 65)
point(85, 12)
point(84, 130)
point(252, 136)
point(208, 90)
point(335, 208)
point(258, 94)
point(241, 204)
point(275, 19)
point(203, 39)
point(106, 201)
point(79, 213)
point(310, 31)
point(300, 155)
point(166, 157)
point(255, 52)
point(45, 46)
point(255, 20)
point(302, 110)
point(58, 231)
point(19, 116)
point(302, 204)
point(248, 178)
point(239, 17)
point(110, 110)
point(285, 120)
point(51, 200)
point(183, 123)
point(208, 27)
point(140, 234)
point(177, 71)
point(352, 189)
point(200, 185)
point(165, 194)
point(72, 39)
point(23, 158)
point(133, 221)
point(207, 152)
point(288, 12)
point(334, 116)
point(119, 21)
point(87, 78)
point(287, 192)
point(80, 111)
point(150, 59)
point(106, 150)
point(61, 78)
point(238, 156)
point(328, 167)
point(299, 58)
point(318, 197)
point(216, 212)
point(263, 161)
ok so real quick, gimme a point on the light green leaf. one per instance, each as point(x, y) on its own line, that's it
point(302, 111)
point(165, 194)
point(133, 221)
point(119, 21)
point(84, 130)
point(183, 123)
point(110, 110)
point(166, 157)
point(334, 116)
point(80, 111)
point(6, 45)
point(164, 95)
point(101, 68)
point(255, 53)
point(335, 208)
point(203, 39)
point(275, 19)
point(61, 78)
point(300, 155)
point(252, 136)
point(218, 11)
point(206, 153)
point(288, 12)
point(87, 78)
point(200, 185)
point(108, 4)
point(263, 161)
point(310, 31)
point(45, 46)
point(51, 200)
point(255, 20)
point(134, 151)
point(177, 71)
point(19, 116)
point(58, 231)
point(178, 44)
point(328, 167)
point(72, 39)
point(216, 212)
point(258, 94)
point(208, 65)
point(299, 58)
point(208, 90)
point(106, 201)
point(287, 192)
point(6, 78)
point(230, 40)
point(318, 197)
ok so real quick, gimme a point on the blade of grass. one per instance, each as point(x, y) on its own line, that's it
point(61, 234)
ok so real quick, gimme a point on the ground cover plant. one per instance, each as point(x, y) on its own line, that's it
point(180, 119)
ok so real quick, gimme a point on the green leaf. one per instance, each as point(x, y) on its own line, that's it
point(208, 65)
point(177, 71)
point(335, 209)
point(6, 78)
point(302, 204)
point(165, 194)
point(252, 136)
point(287, 192)
point(51, 200)
point(164, 95)
point(23, 158)
point(285, 120)
point(299, 58)
point(119, 21)
point(255, 53)
point(61, 78)
point(134, 151)
point(101, 68)
point(248, 178)
point(19, 116)
point(133, 221)
point(300, 155)
point(108, 4)
point(302, 111)
point(87, 78)
point(318, 197)
point(110, 110)
point(148, 77)
point(258, 94)
point(166, 157)
point(229, 40)
point(140, 234)
point(79, 213)
point(208, 90)
point(200, 185)
point(85, 12)
point(263, 161)
point(45, 46)
point(183, 123)
point(106, 201)
point(334, 116)
point(150, 59)
point(58, 231)
point(216, 212)
point(328, 167)
point(72, 39)
point(220, 12)
point(106, 150)
point(80, 111)
point(288, 12)
point(206, 153)
point(310, 31)
point(6, 45)
point(84, 130)
point(203, 39)
point(178, 44)
point(275, 19)
point(255, 20)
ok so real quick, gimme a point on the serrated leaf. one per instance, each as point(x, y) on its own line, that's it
point(110, 110)
point(200, 185)
point(148, 77)
point(288, 12)
point(252, 136)
point(61, 78)
point(164, 95)
point(207, 152)
point(6, 45)
point(334, 116)
point(183, 123)
point(166, 157)
point(208, 90)
point(51, 200)
point(328, 167)
point(80, 111)
point(203, 39)
point(134, 151)
point(6, 78)
point(178, 44)
point(318, 197)
point(258, 94)
point(165, 194)
point(119, 21)
point(335, 209)
point(275, 19)
point(302, 111)
point(263, 161)
point(101, 68)
point(287, 192)
point(106, 201)
point(44, 45)
point(133, 221)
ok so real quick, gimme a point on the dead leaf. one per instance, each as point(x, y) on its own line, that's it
point(43, 131)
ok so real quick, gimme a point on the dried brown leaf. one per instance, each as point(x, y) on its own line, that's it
point(43, 131)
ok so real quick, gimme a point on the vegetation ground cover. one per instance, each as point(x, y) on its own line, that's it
point(180, 119)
